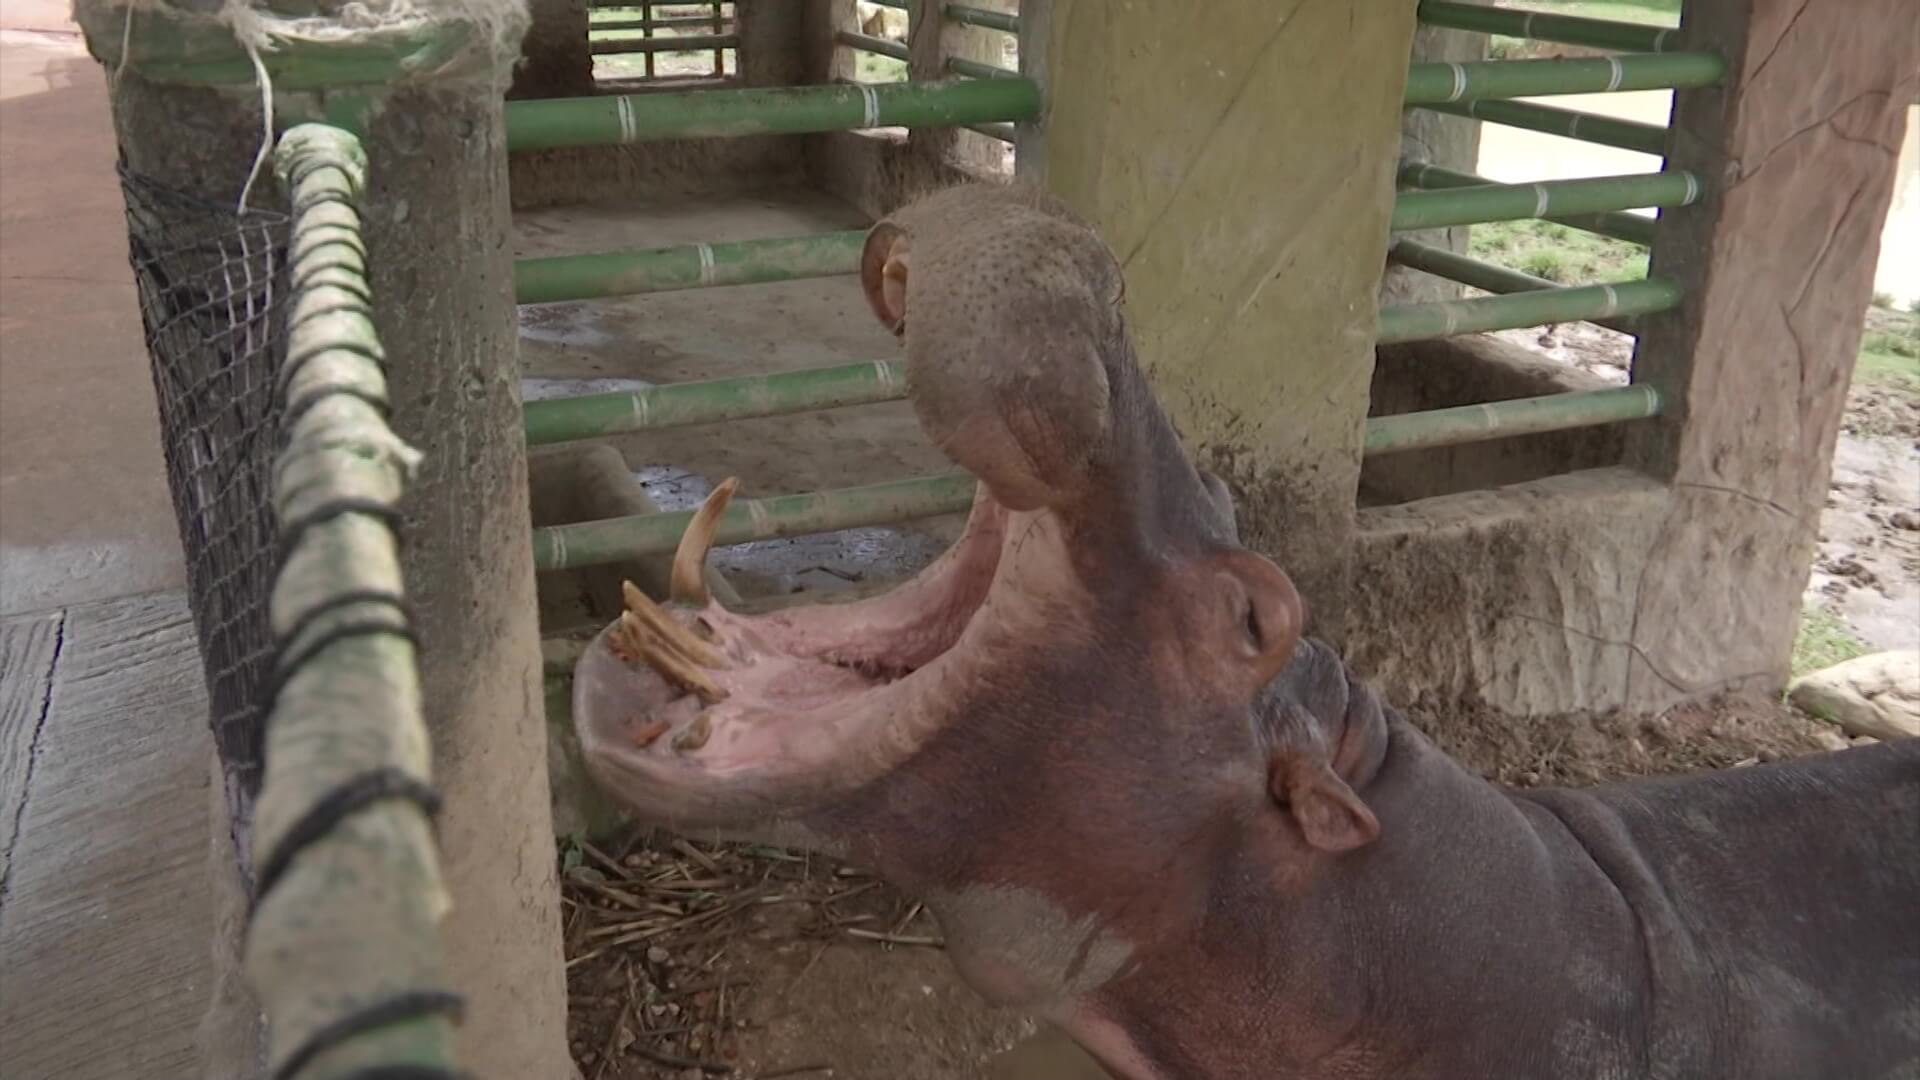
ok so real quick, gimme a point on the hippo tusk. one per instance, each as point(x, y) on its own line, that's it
point(660, 654)
point(676, 637)
point(688, 584)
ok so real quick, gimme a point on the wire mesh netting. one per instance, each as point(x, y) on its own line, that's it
point(213, 294)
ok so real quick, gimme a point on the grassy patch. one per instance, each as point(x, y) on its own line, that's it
point(1652, 12)
point(1557, 253)
point(1890, 351)
point(1823, 641)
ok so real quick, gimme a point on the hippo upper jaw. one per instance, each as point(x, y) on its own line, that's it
point(697, 717)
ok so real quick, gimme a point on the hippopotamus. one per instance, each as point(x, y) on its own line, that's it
point(1143, 806)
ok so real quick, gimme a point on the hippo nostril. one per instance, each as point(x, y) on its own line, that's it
point(1253, 630)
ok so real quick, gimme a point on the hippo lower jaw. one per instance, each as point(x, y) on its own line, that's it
point(696, 717)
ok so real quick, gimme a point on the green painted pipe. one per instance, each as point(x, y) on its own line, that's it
point(1545, 199)
point(690, 266)
point(1431, 82)
point(1587, 127)
point(1621, 226)
point(991, 20)
point(1467, 270)
point(687, 43)
point(1502, 419)
point(565, 547)
point(1541, 26)
point(869, 43)
point(974, 69)
point(1577, 303)
point(676, 22)
point(710, 401)
point(700, 114)
point(592, 543)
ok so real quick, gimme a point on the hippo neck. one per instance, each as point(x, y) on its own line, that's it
point(1358, 965)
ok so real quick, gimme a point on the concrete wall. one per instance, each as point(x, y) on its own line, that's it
point(1437, 139)
point(771, 53)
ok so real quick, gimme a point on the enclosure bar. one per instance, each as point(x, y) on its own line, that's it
point(695, 114)
point(688, 266)
point(974, 69)
point(991, 20)
point(594, 543)
point(1546, 198)
point(688, 43)
point(708, 401)
point(343, 917)
point(1632, 228)
point(675, 22)
point(1445, 263)
point(1439, 81)
point(868, 43)
point(1576, 303)
point(1569, 123)
point(1542, 26)
point(1503, 419)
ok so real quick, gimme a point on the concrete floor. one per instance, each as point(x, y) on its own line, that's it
point(104, 906)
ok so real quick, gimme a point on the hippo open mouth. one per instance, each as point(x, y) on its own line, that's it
point(699, 716)
point(1098, 601)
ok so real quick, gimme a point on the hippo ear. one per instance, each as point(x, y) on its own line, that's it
point(1329, 814)
point(883, 274)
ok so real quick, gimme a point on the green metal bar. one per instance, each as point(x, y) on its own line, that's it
point(1432, 82)
point(991, 20)
point(564, 547)
point(1547, 198)
point(688, 43)
point(1542, 26)
point(677, 22)
point(1578, 303)
point(697, 114)
point(689, 266)
point(869, 43)
point(1569, 123)
point(1503, 419)
point(1467, 270)
point(974, 69)
point(1632, 228)
point(708, 401)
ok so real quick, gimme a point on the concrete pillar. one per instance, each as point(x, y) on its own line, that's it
point(1452, 142)
point(436, 223)
point(1797, 155)
point(554, 61)
point(1240, 160)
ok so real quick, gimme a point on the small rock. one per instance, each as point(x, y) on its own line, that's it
point(1905, 519)
point(1865, 740)
point(1831, 740)
point(657, 955)
point(1877, 695)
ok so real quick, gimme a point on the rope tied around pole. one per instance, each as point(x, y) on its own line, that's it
point(343, 945)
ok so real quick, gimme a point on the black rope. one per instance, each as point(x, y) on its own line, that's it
point(402, 1007)
point(299, 406)
point(330, 809)
point(290, 666)
point(347, 599)
point(291, 532)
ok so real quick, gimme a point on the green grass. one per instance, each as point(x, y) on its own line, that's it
point(1557, 253)
point(1823, 640)
point(1652, 12)
point(1890, 353)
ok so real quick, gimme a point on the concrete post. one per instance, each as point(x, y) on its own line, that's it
point(1451, 142)
point(436, 226)
point(554, 59)
point(1240, 160)
point(1798, 151)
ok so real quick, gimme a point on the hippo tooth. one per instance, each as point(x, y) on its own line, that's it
point(696, 734)
point(689, 579)
point(662, 655)
point(672, 633)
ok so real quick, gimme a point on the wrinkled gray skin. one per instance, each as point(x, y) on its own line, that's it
point(1142, 807)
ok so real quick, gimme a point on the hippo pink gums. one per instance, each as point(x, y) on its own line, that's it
point(1091, 738)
